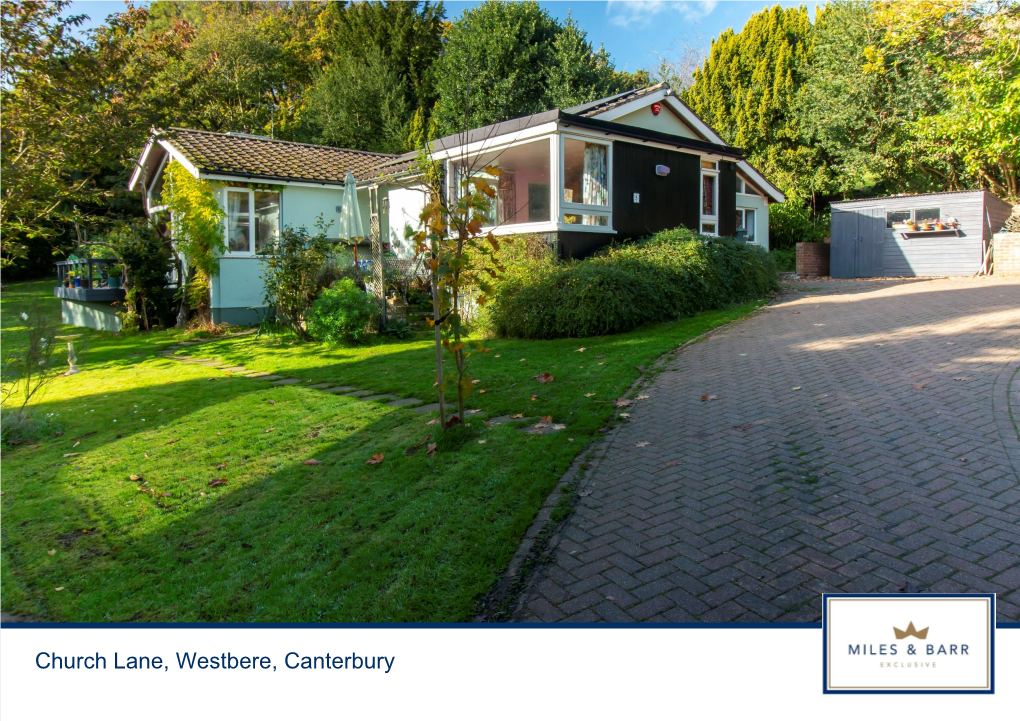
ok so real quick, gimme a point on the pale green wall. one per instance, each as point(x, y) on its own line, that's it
point(238, 286)
point(664, 122)
point(88, 314)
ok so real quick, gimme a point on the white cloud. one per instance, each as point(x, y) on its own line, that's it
point(639, 13)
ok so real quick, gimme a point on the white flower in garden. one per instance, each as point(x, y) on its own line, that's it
point(24, 316)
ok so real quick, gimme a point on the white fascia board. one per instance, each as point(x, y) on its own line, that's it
point(629, 107)
point(135, 176)
point(692, 119)
point(496, 142)
point(175, 155)
point(759, 180)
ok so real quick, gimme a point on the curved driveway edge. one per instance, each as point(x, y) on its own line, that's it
point(857, 437)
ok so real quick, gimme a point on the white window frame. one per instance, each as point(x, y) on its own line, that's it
point(713, 219)
point(584, 208)
point(743, 221)
point(250, 253)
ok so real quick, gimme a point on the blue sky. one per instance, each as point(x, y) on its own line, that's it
point(632, 31)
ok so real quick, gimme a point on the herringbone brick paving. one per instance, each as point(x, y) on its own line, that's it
point(857, 438)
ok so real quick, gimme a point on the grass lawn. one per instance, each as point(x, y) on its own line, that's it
point(415, 538)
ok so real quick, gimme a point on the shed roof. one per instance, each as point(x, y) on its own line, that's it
point(906, 196)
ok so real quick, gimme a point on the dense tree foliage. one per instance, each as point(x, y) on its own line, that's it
point(884, 97)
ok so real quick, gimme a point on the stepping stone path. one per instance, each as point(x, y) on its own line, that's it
point(391, 401)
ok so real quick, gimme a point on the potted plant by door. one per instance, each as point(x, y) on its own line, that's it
point(115, 275)
point(75, 280)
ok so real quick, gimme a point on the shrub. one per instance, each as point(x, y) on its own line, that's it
point(672, 274)
point(342, 313)
point(792, 222)
point(292, 265)
point(786, 259)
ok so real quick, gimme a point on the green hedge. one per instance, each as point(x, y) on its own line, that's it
point(672, 274)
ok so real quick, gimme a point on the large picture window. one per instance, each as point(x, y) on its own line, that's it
point(253, 219)
point(522, 188)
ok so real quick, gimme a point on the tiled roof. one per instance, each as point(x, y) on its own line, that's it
point(601, 105)
point(254, 156)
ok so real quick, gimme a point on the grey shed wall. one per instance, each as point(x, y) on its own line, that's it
point(980, 215)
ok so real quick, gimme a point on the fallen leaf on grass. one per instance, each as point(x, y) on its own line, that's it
point(171, 442)
point(76, 443)
point(534, 398)
point(625, 415)
point(270, 430)
point(432, 449)
point(217, 482)
point(59, 588)
point(582, 349)
point(134, 478)
point(622, 402)
point(497, 355)
point(517, 415)
point(544, 378)
point(68, 455)
point(588, 395)
point(642, 444)
point(558, 426)
point(51, 552)
point(482, 391)
point(433, 422)
point(376, 459)
point(312, 462)
point(221, 466)
point(168, 494)
point(481, 441)
point(476, 380)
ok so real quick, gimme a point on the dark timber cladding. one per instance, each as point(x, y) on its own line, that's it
point(664, 201)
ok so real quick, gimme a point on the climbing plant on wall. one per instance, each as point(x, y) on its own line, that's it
point(197, 233)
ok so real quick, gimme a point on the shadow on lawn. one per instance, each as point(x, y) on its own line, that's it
point(415, 538)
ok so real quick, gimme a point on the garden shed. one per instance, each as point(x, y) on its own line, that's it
point(933, 234)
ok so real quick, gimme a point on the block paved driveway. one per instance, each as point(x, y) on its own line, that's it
point(858, 438)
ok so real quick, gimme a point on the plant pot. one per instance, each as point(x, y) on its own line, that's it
point(77, 282)
point(84, 282)
point(114, 281)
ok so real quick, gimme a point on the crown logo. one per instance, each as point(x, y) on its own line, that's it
point(911, 631)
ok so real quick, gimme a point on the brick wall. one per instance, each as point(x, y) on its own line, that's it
point(812, 259)
point(1006, 250)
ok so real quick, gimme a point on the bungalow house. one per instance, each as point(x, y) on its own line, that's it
point(615, 168)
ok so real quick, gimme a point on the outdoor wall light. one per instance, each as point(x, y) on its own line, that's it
point(662, 170)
